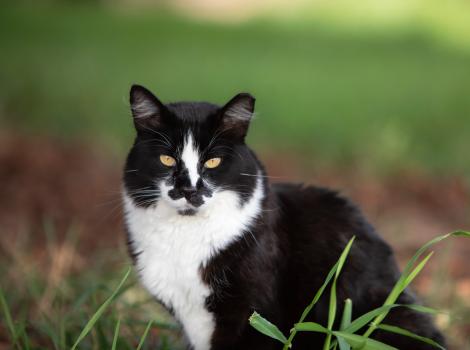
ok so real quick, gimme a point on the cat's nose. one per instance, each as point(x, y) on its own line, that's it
point(188, 192)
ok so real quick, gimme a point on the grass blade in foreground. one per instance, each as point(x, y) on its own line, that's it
point(262, 325)
point(363, 343)
point(405, 279)
point(366, 318)
point(345, 322)
point(100, 311)
point(116, 334)
point(312, 304)
point(8, 319)
point(311, 327)
point(144, 336)
point(398, 330)
point(332, 306)
point(347, 314)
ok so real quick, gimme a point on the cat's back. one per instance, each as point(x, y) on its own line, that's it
point(319, 210)
point(318, 219)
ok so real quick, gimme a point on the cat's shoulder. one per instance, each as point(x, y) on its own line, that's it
point(320, 209)
point(315, 196)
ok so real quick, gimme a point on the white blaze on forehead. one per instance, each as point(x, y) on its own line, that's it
point(190, 158)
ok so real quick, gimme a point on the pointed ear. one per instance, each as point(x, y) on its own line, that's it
point(237, 114)
point(147, 110)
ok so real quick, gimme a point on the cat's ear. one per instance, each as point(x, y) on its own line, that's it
point(237, 114)
point(147, 110)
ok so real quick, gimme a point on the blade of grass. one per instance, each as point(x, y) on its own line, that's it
point(333, 303)
point(21, 335)
point(347, 314)
point(331, 314)
point(100, 311)
point(311, 327)
point(319, 293)
point(401, 331)
point(262, 325)
point(315, 299)
point(396, 291)
point(424, 309)
point(399, 287)
point(343, 344)
point(24, 337)
point(144, 336)
point(116, 334)
point(416, 256)
point(366, 318)
point(8, 319)
point(363, 343)
point(345, 322)
point(417, 270)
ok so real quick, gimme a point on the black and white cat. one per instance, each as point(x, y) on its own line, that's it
point(214, 241)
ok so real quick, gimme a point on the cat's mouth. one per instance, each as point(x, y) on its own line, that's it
point(193, 198)
point(187, 212)
point(186, 201)
point(186, 207)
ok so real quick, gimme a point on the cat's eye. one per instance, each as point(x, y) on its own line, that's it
point(167, 160)
point(212, 163)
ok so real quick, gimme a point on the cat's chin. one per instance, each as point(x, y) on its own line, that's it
point(187, 212)
point(184, 209)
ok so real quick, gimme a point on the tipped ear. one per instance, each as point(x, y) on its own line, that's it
point(237, 114)
point(146, 109)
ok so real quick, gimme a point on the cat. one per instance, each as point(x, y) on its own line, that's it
point(213, 240)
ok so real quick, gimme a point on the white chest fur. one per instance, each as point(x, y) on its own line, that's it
point(173, 247)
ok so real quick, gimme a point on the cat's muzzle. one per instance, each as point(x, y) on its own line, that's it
point(193, 196)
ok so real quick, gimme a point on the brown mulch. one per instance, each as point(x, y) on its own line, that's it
point(48, 184)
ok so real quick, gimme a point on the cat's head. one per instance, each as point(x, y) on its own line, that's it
point(186, 152)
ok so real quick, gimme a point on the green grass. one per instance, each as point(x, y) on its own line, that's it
point(53, 299)
point(387, 99)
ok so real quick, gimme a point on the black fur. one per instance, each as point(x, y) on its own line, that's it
point(298, 240)
point(276, 267)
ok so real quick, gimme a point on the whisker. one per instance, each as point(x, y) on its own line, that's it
point(254, 238)
point(165, 137)
point(158, 141)
point(266, 176)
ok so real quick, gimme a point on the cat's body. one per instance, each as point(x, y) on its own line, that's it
point(215, 243)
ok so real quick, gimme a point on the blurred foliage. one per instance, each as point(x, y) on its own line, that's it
point(52, 292)
point(386, 99)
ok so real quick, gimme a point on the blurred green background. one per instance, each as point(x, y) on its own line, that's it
point(383, 85)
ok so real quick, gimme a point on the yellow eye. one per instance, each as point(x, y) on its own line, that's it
point(212, 163)
point(167, 160)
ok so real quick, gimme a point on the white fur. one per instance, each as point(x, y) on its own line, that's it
point(174, 247)
point(190, 158)
point(239, 112)
point(143, 108)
